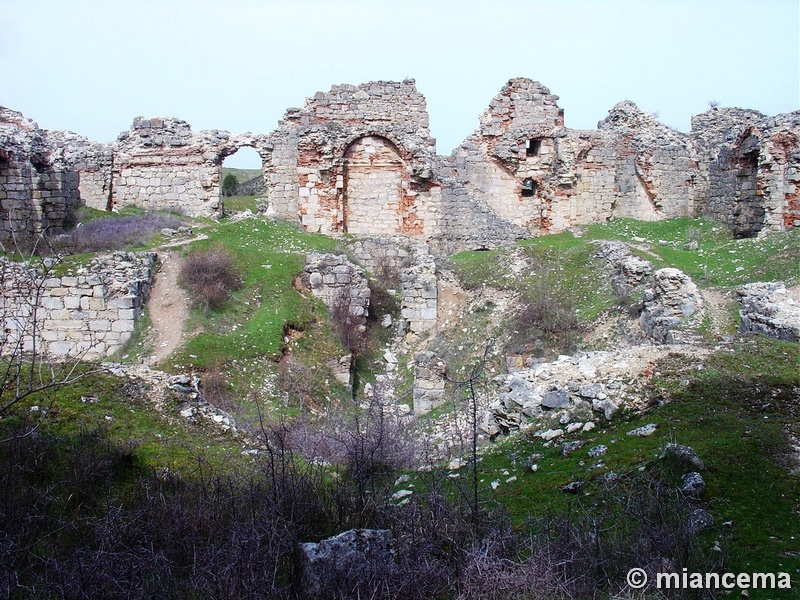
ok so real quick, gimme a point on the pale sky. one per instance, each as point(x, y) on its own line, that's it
point(91, 66)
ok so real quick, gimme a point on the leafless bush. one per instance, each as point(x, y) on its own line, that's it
point(113, 233)
point(211, 275)
point(300, 383)
point(350, 327)
point(217, 389)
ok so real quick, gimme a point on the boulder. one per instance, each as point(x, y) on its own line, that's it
point(768, 308)
point(329, 564)
point(556, 399)
point(693, 485)
point(684, 455)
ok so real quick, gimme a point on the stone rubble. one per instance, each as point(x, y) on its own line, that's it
point(769, 308)
point(672, 298)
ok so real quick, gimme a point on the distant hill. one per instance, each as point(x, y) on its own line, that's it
point(241, 174)
point(251, 181)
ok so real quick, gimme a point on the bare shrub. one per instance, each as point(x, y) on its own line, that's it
point(113, 233)
point(350, 327)
point(546, 316)
point(298, 381)
point(217, 389)
point(211, 275)
point(381, 301)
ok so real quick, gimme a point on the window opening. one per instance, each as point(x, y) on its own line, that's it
point(529, 187)
point(533, 146)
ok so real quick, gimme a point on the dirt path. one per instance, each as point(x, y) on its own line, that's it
point(168, 306)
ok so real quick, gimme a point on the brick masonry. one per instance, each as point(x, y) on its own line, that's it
point(361, 160)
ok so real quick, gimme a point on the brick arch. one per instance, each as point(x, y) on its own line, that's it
point(375, 186)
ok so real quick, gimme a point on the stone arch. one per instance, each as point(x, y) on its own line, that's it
point(375, 181)
point(229, 150)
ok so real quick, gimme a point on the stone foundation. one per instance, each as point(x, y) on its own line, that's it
point(89, 313)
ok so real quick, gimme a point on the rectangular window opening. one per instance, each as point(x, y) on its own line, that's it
point(533, 146)
point(529, 188)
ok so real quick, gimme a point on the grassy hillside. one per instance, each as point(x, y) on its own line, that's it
point(267, 347)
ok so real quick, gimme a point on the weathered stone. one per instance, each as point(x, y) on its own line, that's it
point(667, 305)
point(768, 308)
point(693, 485)
point(644, 430)
point(328, 564)
point(598, 451)
point(684, 455)
point(556, 399)
point(570, 447)
point(574, 487)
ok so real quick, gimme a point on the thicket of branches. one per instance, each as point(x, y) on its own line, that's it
point(80, 517)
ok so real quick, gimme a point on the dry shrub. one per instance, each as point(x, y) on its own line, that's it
point(217, 389)
point(211, 275)
point(113, 233)
point(351, 328)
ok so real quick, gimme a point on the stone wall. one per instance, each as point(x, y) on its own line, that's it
point(361, 160)
point(358, 159)
point(91, 161)
point(89, 312)
point(160, 164)
point(335, 281)
point(37, 192)
point(534, 173)
point(751, 168)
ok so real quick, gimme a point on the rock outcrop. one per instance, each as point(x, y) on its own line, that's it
point(329, 564)
point(672, 298)
point(769, 308)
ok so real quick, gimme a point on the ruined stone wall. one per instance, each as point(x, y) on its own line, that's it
point(383, 256)
point(751, 167)
point(534, 173)
point(89, 313)
point(358, 159)
point(159, 164)
point(338, 283)
point(37, 193)
point(92, 161)
point(656, 167)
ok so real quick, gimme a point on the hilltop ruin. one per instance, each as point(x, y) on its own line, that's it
point(361, 160)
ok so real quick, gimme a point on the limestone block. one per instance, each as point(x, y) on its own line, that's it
point(122, 326)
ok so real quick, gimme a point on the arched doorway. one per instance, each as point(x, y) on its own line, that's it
point(241, 180)
point(373, 187)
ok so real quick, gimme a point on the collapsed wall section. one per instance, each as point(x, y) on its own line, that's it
point(90, 313)
point(37, 192)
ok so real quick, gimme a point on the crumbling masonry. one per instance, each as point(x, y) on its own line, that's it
point(361, 160)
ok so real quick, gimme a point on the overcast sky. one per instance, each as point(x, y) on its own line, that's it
point(91, 66)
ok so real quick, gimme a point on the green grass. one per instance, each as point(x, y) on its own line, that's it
point(242, 203)
point(733, 411)
point(98, 401)
point(269, 256)
point(720, 260)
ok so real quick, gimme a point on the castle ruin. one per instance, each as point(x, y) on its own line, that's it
point(361, 160)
